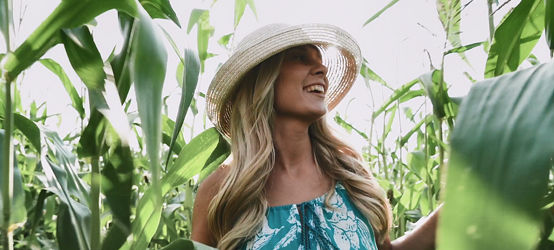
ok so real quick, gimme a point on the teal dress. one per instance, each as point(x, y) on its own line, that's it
point(311, 225)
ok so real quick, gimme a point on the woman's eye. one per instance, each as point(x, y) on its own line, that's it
point(300, 58)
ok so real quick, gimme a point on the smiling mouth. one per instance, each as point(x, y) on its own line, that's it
point(317, 89)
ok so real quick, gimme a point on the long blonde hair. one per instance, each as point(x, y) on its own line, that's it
point(236, 212)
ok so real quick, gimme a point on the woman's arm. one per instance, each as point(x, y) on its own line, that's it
point(207, 190)
point(421, 238)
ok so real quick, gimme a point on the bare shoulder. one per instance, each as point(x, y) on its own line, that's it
point(207, 190)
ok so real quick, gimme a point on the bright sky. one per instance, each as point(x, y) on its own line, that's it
point(398, 46)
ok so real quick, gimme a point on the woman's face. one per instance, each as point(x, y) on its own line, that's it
point(301, 85)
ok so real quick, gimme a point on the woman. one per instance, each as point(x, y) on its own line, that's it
point(291, 184)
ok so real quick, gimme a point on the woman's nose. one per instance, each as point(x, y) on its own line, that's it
point(319, 69)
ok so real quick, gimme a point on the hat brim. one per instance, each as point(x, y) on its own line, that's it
point(339, 51)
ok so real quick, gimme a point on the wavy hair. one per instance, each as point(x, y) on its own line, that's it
point(236, 212)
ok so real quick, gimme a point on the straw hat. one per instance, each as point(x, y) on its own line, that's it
point(339, 51)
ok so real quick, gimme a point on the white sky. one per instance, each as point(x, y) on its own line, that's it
point(395, 44)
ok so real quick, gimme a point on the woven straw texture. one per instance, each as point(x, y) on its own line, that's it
point(340, 54)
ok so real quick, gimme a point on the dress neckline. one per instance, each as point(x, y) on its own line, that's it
point(319, 198)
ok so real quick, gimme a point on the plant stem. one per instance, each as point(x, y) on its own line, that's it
point(8, 150)
point(95, 204)
point(491, 20)
point(189, 202)
point(7, 170)
point(383, 155)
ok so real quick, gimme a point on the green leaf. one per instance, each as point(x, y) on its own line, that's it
point(148, 64)
point(117, 187)
point(120, 62)
point(84, 56)
point(376, 15)
point(416, 128)
point(160, 9)
point(60, 178)
point(442, 104)
point(173, 45)
point(463, 48)
point(450, 12)
point(549, 23)
point(515, 38)
point(92, 136)
point(195, 15)
point(349, 126)
point(369, 74)
point(204, 31)
point(190, 75)
point(204, 151)
point(107, 102)
point(240, 6)
point(388, 126)
point(410, 197)
point(68, 14)
point(76, 100)
point(398, 93)
point(224, 40)
point(29, 129)
point(18, 213)
point(186, 244)
point(501, 156)
point(6, 20)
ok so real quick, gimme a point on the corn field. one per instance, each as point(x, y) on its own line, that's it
point(126, 175)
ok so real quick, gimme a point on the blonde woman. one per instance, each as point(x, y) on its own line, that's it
point(291, 183)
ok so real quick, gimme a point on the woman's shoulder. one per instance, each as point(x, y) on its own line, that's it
point(206, 192)
point(210, 186)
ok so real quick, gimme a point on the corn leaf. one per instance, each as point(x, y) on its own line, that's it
point(68, 14)
point(443, 106)
point(190, 76)
point(376, 15)
point(84, 56)
point(498, 173)
point(549, 23)
point(204, 151)
point(240, 6)
point(148, 64)
point(160, 9)
point(348, 127)
point(76, 100)
point(29, 129)
point(368, 74)
point(6, 19)
point(117, 187)
point(120, 62)
point(92, 136)
point(398, 93)
point(464, 48)
point(515, 38)
point(204, 30)
point(60, 178)
point(450, 15)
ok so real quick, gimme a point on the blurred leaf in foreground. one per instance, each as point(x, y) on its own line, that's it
point(498, 172)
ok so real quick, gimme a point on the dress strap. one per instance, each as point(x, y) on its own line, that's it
point(311, 229)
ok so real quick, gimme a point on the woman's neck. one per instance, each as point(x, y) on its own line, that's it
point(294, 152)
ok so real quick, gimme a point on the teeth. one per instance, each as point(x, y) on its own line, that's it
point(316, 88)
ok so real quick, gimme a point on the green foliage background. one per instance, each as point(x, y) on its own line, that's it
point(487, 156)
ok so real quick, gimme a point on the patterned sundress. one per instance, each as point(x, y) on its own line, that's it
point(341, 227)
